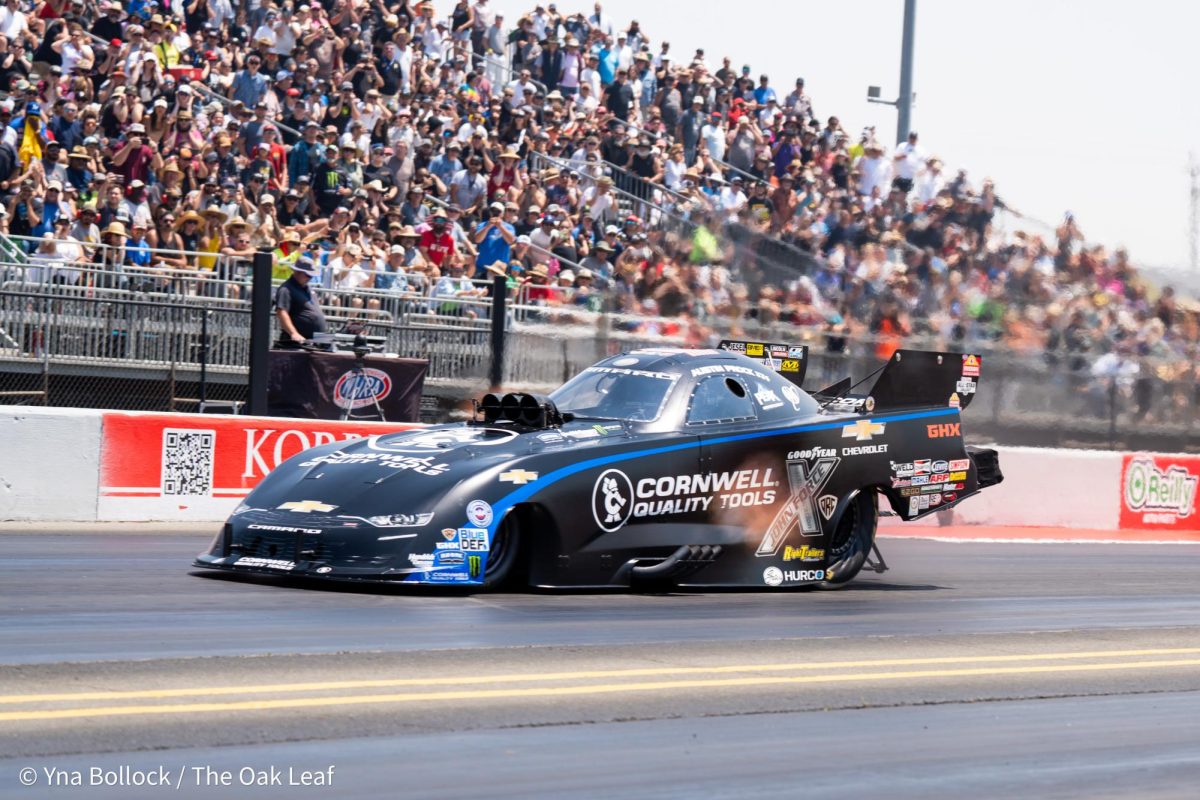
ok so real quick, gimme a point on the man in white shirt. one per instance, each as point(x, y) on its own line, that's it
point(712, 136)
point(875, 170)
point(907, 163)
point(522, 84)
point(601, 21)
point(732, 198)
point(930, 181)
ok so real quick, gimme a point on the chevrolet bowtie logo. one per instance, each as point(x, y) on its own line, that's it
point(518, 476)
point(863, 430)
point(306, 506)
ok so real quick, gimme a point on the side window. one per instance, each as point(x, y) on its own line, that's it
point(719, 399)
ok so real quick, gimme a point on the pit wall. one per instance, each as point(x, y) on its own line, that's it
point(70, 465)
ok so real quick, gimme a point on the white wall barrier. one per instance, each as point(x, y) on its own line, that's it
point(66, 465)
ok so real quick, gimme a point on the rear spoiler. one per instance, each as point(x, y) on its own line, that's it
point(789, 360)
point(922, 378)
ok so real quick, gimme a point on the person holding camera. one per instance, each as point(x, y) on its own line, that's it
point(494, 238)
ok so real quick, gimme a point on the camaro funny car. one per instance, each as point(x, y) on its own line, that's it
point(655, 467)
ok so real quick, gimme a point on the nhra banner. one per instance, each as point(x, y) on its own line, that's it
point(1159, 492)
point(310, 385)
point(192, 466)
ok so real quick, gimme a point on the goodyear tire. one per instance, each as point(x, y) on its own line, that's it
point(505, 555)
point(851, 543)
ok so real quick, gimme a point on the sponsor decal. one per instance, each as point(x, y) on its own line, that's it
point(422, 466)
point(480, 513)
point(949, 497)
point(939, 466)
point(914, 505)
point(803, 553)
point(626, 361)
point(449, 533)
point(965, 386)
point(909, 492)
point(450, 558)
point(754, 349)
point(767, 398)
point(269, 563)
point(324, 570)
point(586, 433)
point(284, 529)
point(944, 430)
point(804, 575)
point(795, 352)
point(789, 365)
point(612, 500)
point(942, 478)
point(799, 510)
point(736, 347)
point(955, 476)
point(665, 376)
point(736, 369)
point(863, 430)
point(1159, 492)
point(518, 476)
point(792, 395)
point(869, 404)
point(473, 539)
point(954, 401)
point(426, 442)
point(970, 366)
point(682, 494)
point(363, 388)
point(811, 453)
point(827, 504)
point(923, 503)
point(550, 437)
point(865, 450)
point(401, 520)
point(474, 566)
point(772, 576)
point(959, 463)
point(305, 506)
point(421, 560)
point(935, 499)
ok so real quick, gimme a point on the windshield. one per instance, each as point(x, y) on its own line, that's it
point(612, 393)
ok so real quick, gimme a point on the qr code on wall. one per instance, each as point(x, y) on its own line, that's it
point(187, 463)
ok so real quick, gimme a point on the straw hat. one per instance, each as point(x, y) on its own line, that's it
point(540, 270)
point(114, 227)
point(409, 232)
point(236, 222)
point(190, 216)
point(214, 213)
point(499, 268)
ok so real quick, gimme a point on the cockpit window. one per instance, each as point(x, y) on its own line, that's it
point(720, 398)
point(634, 395)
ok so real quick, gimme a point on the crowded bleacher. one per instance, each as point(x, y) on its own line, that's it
point(414, 149)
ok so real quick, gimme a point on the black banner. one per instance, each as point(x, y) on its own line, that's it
point(310, 385)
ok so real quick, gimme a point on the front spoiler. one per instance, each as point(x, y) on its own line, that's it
point(309, 570)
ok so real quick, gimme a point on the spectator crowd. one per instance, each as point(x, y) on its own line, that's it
point(418, 148)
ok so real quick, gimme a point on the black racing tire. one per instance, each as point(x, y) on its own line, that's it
point(851, 543)
point(505, 556)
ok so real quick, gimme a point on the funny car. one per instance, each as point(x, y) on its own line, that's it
point(691, 468)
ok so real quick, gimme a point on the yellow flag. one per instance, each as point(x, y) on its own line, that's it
point(30, 147)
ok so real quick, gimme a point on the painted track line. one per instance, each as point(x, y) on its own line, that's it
point(994, 534)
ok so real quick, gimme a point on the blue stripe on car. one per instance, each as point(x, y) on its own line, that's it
point(525, 492)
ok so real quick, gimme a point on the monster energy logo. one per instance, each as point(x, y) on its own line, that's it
point(474, 565)
point(798, 510)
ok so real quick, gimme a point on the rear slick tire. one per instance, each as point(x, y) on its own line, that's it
point(851, 543)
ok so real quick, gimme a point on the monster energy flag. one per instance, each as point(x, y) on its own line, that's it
point(312, 385)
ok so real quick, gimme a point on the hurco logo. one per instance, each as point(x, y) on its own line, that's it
point(803, 553)
point(863, 430)
point(1148, 488)
point(944, 430)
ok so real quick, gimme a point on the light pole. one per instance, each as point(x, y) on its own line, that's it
point(903, 103)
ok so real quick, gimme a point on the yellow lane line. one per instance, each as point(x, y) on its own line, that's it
point(587, 689)
point(644, 672)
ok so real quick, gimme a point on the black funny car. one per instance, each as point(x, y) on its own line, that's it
point(655, 467)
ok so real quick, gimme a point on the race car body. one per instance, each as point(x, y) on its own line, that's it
point(684, 467)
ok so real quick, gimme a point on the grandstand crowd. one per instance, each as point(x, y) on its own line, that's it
point(410, 147)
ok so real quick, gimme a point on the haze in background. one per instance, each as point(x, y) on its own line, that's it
point(1068, 105)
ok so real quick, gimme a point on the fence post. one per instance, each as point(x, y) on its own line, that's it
point(260, 332)
point(499, 299)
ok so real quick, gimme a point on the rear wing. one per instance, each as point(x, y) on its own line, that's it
point(922, 378)
point(789, 360)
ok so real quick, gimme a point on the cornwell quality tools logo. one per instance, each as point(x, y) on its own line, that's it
point(306, 506)
point(1149, 488)
point(799, 510)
